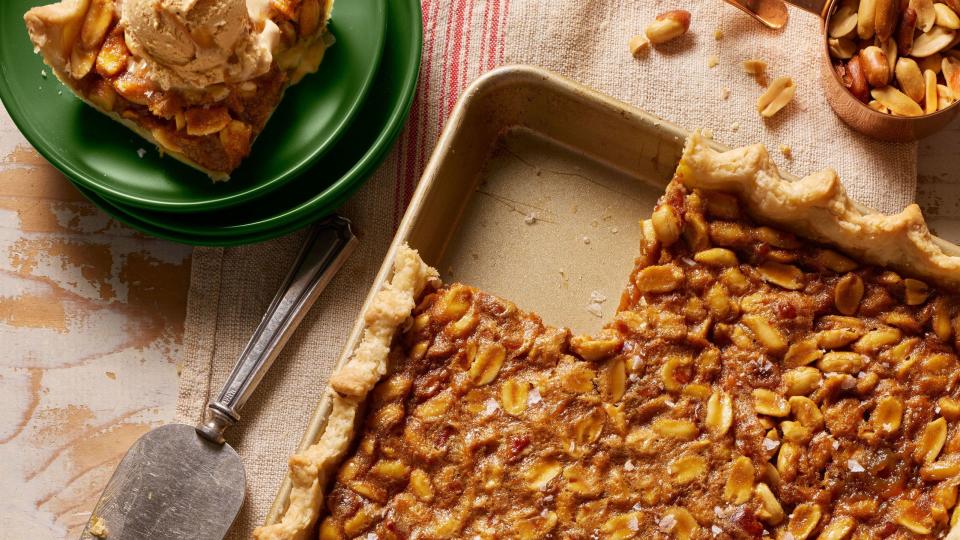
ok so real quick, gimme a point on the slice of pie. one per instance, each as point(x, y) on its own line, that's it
point(198, 78)
point(782, 364)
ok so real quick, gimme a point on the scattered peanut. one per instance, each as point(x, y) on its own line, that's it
point(777, 96)
point(639, 45)
point(668, 26)
point(754, 66)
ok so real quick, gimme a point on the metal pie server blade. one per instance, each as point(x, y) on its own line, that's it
point(179, 481)
point(173, 483)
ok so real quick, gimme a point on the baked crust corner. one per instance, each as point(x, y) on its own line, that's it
point(817, 207)
point(311, 469)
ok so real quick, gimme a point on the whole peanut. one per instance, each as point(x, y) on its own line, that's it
point(875, 66)
point(866, 19)
point(908, 25)
point(885, 20)
point(911, 79)
point(858, 79)
point(668, 26)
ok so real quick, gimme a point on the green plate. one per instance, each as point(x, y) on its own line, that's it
point(332, 180)
point(102, 156)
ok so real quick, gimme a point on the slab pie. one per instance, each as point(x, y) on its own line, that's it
point(783, 364)
point(198, 78)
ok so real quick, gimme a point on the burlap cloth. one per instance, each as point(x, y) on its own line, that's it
point(583, 39)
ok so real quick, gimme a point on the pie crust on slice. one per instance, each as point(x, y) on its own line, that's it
point(755, 382)
point(208, 124)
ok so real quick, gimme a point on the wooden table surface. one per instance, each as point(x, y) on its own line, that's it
point(91, 322)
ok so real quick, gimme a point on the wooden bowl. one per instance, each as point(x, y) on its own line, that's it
point(855, 113)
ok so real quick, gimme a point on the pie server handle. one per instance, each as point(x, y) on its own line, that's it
point(326, 248)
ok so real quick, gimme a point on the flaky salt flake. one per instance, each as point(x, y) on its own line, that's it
point(490, 406)
point(854, 466)
point(633, 524)
point(533, 397)
point(788, 536)
point(770, 444)
point(628, 465)
point(667, 523)
point(670, 403)
point(835, 444)
point(718, 512)
point(594, 307)
point(141, 153)
point(43, 73)
point(530, 219)
point(715, 530)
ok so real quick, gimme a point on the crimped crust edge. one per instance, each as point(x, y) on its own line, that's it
point(817, 207)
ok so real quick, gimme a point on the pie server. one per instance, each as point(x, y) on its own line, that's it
point(181, 481)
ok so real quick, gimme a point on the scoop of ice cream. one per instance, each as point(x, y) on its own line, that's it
point(196, 43)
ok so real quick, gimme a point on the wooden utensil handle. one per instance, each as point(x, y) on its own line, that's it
point(326, 248)
point(773, 13)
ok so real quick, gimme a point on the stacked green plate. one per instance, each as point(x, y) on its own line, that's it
point(326, 138)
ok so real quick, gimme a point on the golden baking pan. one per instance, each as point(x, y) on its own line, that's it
point(533, 193)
